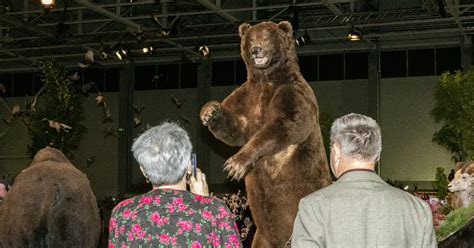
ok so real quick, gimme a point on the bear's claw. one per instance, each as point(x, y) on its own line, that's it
point(236, 171)
point(210, 113)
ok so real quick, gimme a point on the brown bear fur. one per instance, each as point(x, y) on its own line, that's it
point(274, 117)
point(50, 204)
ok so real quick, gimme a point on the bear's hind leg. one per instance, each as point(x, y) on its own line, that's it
point(259, 241)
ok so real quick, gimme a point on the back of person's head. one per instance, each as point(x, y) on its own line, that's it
point(163, 152)
point(358, 136)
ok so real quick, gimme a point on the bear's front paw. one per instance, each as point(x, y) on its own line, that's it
point(237, 167)
point(210, 112)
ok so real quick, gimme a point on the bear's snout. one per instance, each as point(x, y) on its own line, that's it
point(255, 50)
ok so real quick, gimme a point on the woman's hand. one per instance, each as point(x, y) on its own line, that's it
point(198, 184)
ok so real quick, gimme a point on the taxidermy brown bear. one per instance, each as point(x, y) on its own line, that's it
point(51, 204)
point(274, 117)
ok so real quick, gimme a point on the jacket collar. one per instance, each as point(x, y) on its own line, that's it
point(359, 175)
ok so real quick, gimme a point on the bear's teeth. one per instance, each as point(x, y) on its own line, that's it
point(260, 61)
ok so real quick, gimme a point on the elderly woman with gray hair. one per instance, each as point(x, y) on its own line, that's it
point(169, 215)
point(360, 209)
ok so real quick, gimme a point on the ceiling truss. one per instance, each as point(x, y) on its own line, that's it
point(29, 34)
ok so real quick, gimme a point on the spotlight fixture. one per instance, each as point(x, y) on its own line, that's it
point(203, 50)
point(121, 54)
point(354, 34)
point(48, 4)
point(302, 40)
point(148, 49)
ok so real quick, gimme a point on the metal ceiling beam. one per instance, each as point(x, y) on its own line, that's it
point(109, 14)
point(455, 13)
point(127, 22)
point(405, 23)
point(28, 28)
point(218, 10)
point(331, 6)
point(190, 13)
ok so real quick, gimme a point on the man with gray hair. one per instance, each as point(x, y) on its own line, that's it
point(360, 209)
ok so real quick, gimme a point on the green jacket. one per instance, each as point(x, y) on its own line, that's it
point(362, 210)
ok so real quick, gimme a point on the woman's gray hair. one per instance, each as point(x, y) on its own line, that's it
point(163, 152)
point(358, 135)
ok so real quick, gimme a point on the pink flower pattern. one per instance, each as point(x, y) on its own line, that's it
point(172, 218)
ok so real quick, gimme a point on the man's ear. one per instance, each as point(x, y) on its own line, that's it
point(335, 157)
point(243, 28)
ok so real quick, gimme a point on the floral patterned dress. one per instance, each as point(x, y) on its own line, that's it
point(172, 218)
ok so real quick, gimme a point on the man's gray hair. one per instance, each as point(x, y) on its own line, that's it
point(358, 135)
point(163, 152)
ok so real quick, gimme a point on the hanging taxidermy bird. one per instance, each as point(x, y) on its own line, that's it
point(166, 30)
point(177, 101)
point(74, 77)
point(30, 106)
point(136, 121)
point(109, 131)
point(107, 116)
point(99, 99)
point(88, 59)
point(90, 160)
point(138, 109)
point(3, 89)
point(57, 125)
point(156, 78)
point(15, 112)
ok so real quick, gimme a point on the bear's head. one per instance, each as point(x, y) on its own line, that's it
point(49, 154)
point(267, 45)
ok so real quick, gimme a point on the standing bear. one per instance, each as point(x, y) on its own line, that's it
point(274, 118)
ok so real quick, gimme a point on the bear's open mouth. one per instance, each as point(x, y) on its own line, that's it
point(260, 61)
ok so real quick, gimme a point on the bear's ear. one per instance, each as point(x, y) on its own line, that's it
point(286, 26)
point(243, 28)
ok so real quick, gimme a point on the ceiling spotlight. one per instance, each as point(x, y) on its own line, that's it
point(302, 40)
point(165, 32)
point(104, 54)
point(148, 50)
point(121, 54)
point(354, 34)
point(203, 50)
point(48, 4)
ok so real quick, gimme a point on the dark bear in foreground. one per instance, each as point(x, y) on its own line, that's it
point(274, 117)
point(51, 204)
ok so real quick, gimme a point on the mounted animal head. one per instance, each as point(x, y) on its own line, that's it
point(463, 178)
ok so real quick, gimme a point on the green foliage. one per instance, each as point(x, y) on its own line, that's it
point(454, 109)
point(62, 102)
point(441, 183)
point(455, 221)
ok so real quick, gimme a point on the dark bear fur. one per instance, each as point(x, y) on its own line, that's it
point(274, 117)
point(51, 204)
